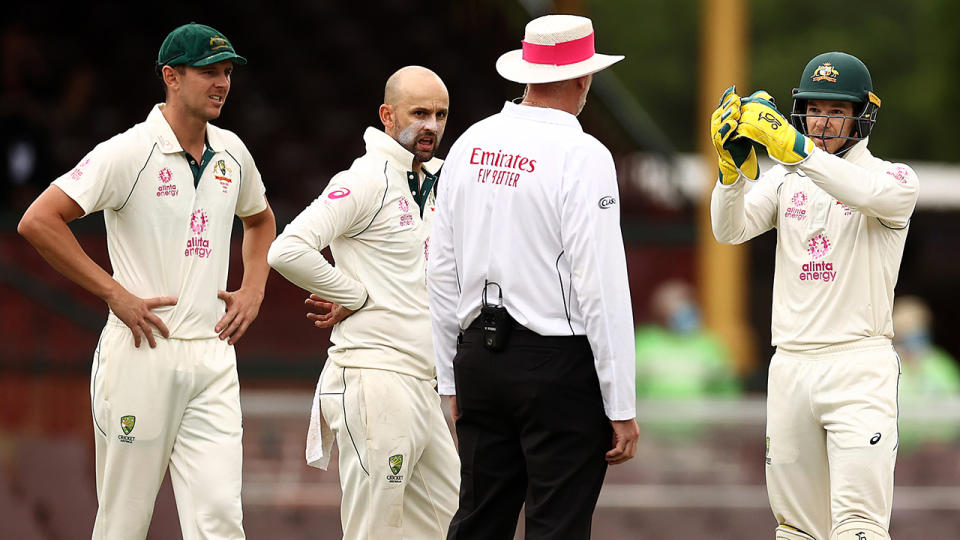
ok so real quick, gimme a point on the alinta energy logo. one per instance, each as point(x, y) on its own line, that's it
point(197, 245)
point(406, 219)
point(796, 212)
point(900, 173)
point(817, 270)
point(166, 189)
point(77, 172)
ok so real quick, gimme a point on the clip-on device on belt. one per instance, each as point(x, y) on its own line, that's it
point(495, 322)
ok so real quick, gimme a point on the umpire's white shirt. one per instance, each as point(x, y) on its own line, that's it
point(530, 201)
point(378, 239)
point(165, 236)
point(841, 226)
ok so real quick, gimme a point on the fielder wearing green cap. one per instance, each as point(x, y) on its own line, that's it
point(841, 217)
point(169, 189)
point(196, 45)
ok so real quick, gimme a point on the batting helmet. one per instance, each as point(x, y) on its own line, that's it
point(841, 77)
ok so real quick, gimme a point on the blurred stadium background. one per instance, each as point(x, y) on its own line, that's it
point(75, 74)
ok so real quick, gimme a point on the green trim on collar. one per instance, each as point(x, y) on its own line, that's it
point(197, 170)
point(421, 193)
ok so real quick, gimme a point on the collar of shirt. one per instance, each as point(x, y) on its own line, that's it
point(858, 151)
point(166, 140)
point(168, 143)
point(380, 143)
point(541, 114)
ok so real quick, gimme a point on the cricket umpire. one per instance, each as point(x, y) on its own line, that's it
point(168, 188)
point(527, 267)
point(841, 216)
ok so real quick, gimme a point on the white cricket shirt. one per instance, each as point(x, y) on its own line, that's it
point(530, 201)
point(841, 226)
point(165, 236)
point(378, 237)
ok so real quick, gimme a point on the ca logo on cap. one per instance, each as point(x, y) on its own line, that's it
point(217, 42)
point(825, 72)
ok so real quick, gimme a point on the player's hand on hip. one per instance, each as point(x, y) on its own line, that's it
point(243, 306)
point(324, 313)
point(135, 312)
point(625, 435)
point(762, 122)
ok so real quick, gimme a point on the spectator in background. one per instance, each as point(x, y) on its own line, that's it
point(676, 357)
point(38, 97)
point(929, 374)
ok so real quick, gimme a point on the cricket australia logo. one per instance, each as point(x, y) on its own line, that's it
point(222, 169)
point(126, 425)
point(825, 72)
point(396, 463)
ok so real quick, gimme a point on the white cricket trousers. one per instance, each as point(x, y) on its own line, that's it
point(399, 468)
point(176, 405)
point(832, 435)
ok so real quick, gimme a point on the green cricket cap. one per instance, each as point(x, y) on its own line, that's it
point(196, 45)
point(836, 75)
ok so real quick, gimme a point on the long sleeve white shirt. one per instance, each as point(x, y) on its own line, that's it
point(841, 227)
point(377, 234)
point(529, 201)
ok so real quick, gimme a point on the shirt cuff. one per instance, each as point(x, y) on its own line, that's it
point(447, 389)
point(629, 413)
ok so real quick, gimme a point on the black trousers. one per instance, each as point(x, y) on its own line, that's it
point(532, 430)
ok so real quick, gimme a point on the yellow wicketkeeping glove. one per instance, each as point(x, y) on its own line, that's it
point(735, 156)
point(762, 122)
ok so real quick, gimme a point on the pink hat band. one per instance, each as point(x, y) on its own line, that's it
point(560, 54)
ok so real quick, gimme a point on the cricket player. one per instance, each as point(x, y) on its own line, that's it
point(168, 188)
point(841, 216)
point(399, 468)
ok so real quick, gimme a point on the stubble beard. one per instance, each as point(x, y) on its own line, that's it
point(407, 137)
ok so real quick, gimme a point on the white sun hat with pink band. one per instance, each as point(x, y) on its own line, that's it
point(555, 48)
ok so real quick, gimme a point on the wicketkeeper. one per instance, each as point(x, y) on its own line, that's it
point(841, 216)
